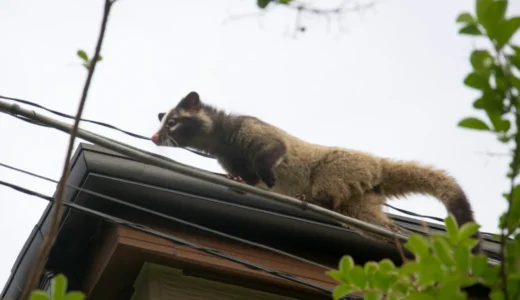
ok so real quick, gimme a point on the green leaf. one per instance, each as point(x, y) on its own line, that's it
point(476, 81)
point(381, 281)
point(372, 296)
point(418, 245)
point(100, 58)
point(482, 10)
point(75, 296)
point(83, 55)
point(499, 124)
point(59, 287)
point(448, 291)
point(409, 268)
point(262, 3)
point(515, 60)
point(431, 271)
point(506, 30)
point(386, 265)
point(513, 284)
point(467, 230)
point(336, 275)
point(482, 62)
point(357, 277)
point(513, 219)
point(516, 49)
point(500, 80)
point(504, 138)
point(39, 295)
point(491, 100)
point(462, 259)
point(471, 29)
point(443, 251)
point(402, 287)
point(465, 17)
point(493, 15)
point(341, 291)
point(420, 296)
point(516, 193)
point(371, 268)
point(473, 123)
point(515, 81)
point(491, 276)
point(470, 243)
point(392, 297)
point(346, 264)
point(451, 223)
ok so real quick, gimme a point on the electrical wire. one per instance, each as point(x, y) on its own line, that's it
point(171, 238)
point(64, 115)
point(72, 117)
point(153, 154)
point(414, 214)
point(171, 218)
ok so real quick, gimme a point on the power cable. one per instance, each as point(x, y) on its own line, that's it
point(200, 174)
point(153, 154)
point(171, 218)
point(64, 115)
point(414, 214)
point(107, 125)
point(171, 238)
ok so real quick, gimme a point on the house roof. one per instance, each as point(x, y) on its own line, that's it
point(261, 220)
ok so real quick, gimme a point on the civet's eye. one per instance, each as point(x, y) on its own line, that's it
point(171, 122)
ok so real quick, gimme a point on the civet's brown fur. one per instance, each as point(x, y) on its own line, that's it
point(350, 182)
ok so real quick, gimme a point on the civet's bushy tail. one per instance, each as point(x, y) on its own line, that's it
point(400, 178)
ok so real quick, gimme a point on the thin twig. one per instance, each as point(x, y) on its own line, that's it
point(493, 154)
point(302, 8)
point(327, 13)
point(400, 250)
point(49, 240)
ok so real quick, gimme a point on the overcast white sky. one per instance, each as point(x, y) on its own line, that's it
point(391, 85)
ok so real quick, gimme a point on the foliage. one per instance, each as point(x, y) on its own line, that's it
point(86, 61)
point(58, 291)
point(444, 264)
point(494, 76)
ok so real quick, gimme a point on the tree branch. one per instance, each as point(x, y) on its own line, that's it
point(49, 240)
point(345, 7)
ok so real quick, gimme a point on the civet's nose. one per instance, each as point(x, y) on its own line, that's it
point(155, 138)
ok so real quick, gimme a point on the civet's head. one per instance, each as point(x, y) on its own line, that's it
point(184, 124)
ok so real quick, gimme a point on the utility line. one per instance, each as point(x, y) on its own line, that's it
point(171, 218)
point(94, 122)
point(202, 175)
point(135, 135)
point(171, 238)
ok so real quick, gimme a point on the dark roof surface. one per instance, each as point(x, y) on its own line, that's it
point(261, 220)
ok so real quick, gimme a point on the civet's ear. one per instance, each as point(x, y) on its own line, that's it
point(161, 116)
point(191, 102)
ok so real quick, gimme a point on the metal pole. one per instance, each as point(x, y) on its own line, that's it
point(122, 148)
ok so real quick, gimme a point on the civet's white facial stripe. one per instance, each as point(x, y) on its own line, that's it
point(171, 129)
